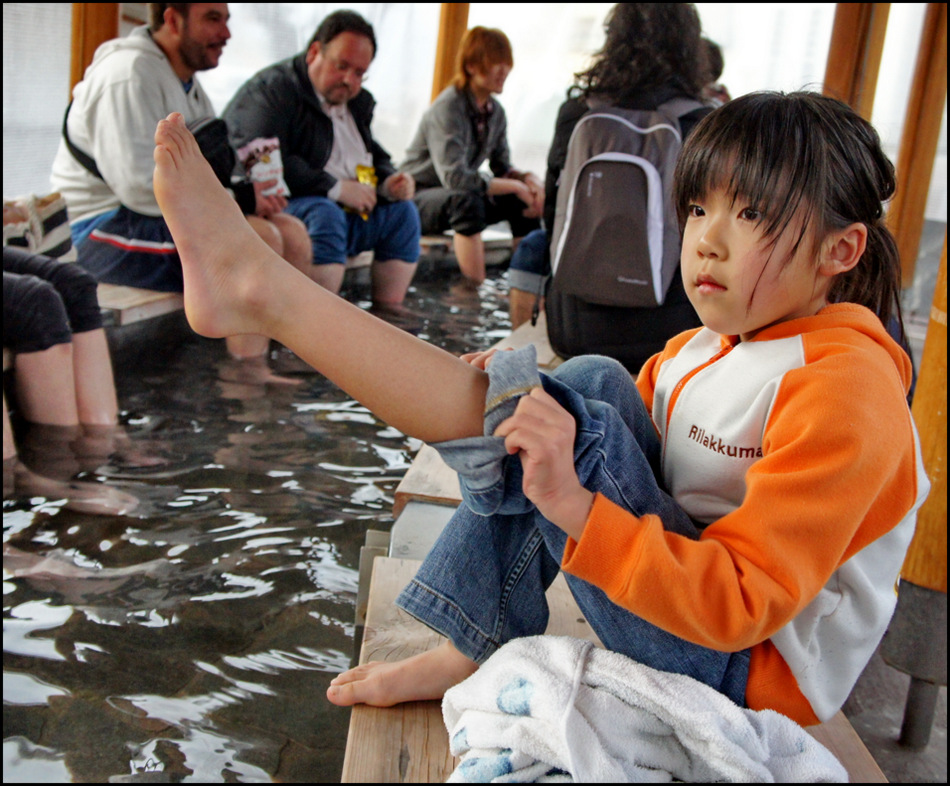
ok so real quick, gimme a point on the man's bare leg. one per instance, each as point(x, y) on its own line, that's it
point(470, 253)
point(235, 284)
point(298, 249)
point(252, 349)
point(330, 277)
point(391, 280)
point(425, 676)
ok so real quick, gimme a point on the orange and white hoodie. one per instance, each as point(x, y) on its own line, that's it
point(798, 451)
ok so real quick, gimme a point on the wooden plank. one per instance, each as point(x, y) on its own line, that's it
point(429, 479)
point(130, 304)
point(838, 736)
point(408, 743)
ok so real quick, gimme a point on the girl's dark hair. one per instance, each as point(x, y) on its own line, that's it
point(648, 46)
point(801, 156)
point(342, 22)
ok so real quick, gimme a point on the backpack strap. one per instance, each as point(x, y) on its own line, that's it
point(680, 107)
point(83, 158)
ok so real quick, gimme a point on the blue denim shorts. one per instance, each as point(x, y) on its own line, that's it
point(484, 581)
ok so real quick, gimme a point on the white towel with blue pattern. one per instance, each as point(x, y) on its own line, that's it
point(556, 709)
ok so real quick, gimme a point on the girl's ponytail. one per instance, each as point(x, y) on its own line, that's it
point(861, 182)
point(875, 282)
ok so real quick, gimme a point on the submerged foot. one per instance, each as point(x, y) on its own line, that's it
point(225, 263)
point(425, 676)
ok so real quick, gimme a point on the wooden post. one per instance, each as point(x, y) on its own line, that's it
point(919, 140)
point(93, 24)
point(854, 56)
point(926, 563)
point(453, 22)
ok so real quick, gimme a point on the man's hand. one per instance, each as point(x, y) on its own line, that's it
point(536, 189)
point(399, 186)
point(542, 433)
point(359, 196)
point(267, 206)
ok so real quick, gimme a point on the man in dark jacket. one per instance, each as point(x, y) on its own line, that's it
point(343, 185)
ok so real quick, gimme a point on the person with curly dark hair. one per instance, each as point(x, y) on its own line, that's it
point(653, 53)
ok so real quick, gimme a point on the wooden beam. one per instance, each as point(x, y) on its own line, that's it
point(453, 22)
point(93, 24)
point(928, 94)
point(854, 55)
point(926, 563)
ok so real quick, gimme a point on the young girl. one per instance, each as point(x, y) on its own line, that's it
point(780, 430)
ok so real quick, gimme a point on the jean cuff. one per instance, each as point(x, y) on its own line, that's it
point(480, 461)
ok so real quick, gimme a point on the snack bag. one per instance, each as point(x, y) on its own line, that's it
point(367, 176)
point(262, 162)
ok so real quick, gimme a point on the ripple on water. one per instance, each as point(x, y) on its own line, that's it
point(195, 639)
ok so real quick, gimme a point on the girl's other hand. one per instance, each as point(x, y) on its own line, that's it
point(542, 433)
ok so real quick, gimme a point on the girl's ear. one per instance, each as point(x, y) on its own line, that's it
point(842, 249)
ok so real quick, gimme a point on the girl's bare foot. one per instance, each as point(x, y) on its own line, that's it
point(225, 263)
point(425, 676)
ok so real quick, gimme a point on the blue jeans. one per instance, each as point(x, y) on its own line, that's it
point(531, 262)
point(391, 231)
point(483, 583)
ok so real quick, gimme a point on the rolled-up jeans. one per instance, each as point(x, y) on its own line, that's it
point(483, 582)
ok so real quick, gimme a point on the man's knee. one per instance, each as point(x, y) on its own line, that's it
point(267, 232)
point(467, 212)
point(326, 225)
point(399, 232)
point(297, 246)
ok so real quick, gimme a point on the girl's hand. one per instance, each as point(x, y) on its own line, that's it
point(542, 433)
point(480, 359)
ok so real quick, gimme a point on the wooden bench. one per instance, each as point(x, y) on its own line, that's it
point(438, 248)
point(123, 305)
point(409, 743)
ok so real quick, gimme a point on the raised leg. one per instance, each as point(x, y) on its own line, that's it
point(235, 284)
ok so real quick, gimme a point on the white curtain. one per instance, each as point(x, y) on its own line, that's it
point(36, 40)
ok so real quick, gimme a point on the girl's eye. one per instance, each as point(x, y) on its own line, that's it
point(751, 214)
point(695, 211)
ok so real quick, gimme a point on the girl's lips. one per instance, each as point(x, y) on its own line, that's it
point(708, 284)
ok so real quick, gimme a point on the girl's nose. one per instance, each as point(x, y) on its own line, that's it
point(712, 243)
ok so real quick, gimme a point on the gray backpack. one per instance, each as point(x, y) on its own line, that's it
point(616, 239)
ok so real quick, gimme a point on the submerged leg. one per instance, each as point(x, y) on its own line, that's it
point(235, 284)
